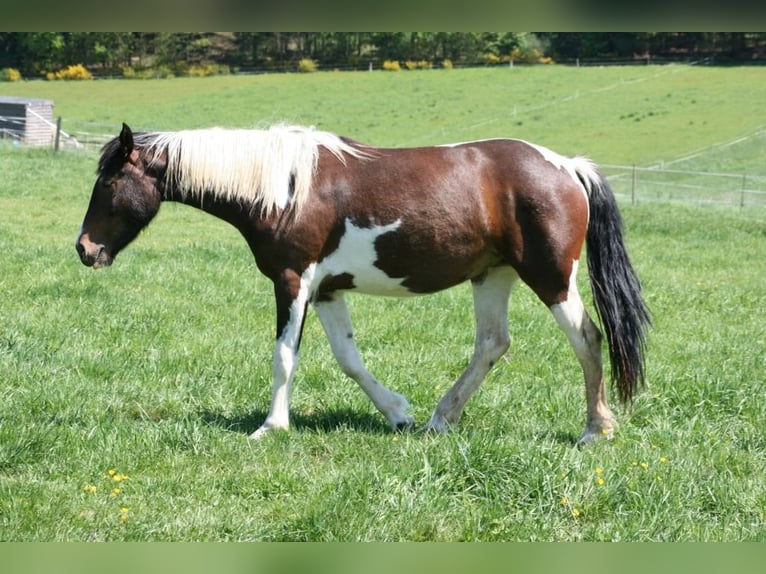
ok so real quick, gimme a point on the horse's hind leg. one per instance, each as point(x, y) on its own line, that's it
point(490, 301)
point(333, 315)
point(585, 339)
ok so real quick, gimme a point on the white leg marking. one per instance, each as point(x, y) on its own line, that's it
point(285, 362)
point(490, 300)
point(585, 339)
point(337, 325)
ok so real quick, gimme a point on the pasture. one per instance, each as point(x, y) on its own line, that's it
point(128, 393)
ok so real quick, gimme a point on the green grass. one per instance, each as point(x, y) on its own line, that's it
point(159, 366)
point(614, 114)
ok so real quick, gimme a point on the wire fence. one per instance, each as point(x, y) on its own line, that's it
point(655, 184)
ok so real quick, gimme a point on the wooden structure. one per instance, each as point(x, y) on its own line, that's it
point(29, 120)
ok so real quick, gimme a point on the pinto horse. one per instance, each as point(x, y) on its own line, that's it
point(325, 215)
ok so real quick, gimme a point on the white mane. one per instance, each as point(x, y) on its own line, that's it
point(272, 167)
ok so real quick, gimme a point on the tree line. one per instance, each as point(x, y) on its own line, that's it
point(35, 53)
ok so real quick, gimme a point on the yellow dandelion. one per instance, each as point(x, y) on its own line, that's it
point(111, 472)
point(89, 488)
point(644, 465)
point(395, 439)
point(564, 500)
point(663, 459)
point(575, 512)
point(115, 492)
point(124, 513)
point(600, 481)
point(599, 470)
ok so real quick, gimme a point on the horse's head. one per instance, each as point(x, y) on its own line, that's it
point(126, 196)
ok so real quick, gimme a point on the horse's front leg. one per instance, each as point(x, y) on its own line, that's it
point(292, 294)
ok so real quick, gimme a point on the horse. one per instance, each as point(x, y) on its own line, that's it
point(325, 215)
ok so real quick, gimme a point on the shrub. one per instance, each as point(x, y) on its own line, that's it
point(161, 72)
point(447, 64)
point(392, 65)
point(10, 75)
point(204, 70)
point(75, 72)
point(307, 65)
point(178, 69)
point(420, 65)
point(128, 72)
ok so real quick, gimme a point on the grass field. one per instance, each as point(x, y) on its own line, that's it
point(127, 393)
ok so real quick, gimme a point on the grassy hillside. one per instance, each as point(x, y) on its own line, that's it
point(622, 115)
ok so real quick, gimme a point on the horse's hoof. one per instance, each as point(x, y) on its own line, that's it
point(437, 426)
point(263, 431)
point(405, 426)
point(590, 436)
point(259, 434)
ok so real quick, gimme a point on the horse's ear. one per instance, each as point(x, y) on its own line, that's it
point(126, 139)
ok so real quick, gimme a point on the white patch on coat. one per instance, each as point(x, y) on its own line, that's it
point(471, 142)
point(580, 169)
point(356, 256)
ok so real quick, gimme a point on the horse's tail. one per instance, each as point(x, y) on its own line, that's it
point(616, 288)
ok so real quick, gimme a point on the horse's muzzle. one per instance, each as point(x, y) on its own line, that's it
point(92, 255)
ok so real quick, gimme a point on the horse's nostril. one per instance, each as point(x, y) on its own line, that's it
point(80, 248)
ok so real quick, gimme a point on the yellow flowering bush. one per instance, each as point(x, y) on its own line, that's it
point(392, 65)
point(419, 65)
point(10, 75)
point(75, 72)
point(205, 70)
point(307, 65)
point(529, 56)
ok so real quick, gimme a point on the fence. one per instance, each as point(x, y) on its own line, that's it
point(45, 133)
point(644, 184)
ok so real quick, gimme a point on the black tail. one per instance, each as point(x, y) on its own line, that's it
point(616, 291)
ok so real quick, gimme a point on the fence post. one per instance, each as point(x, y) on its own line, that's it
point(742, 192)
point(58, 134)
point(633, 187)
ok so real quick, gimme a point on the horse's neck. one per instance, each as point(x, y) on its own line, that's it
point(232, 210)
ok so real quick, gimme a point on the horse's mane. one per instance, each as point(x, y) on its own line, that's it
point(271, 168)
